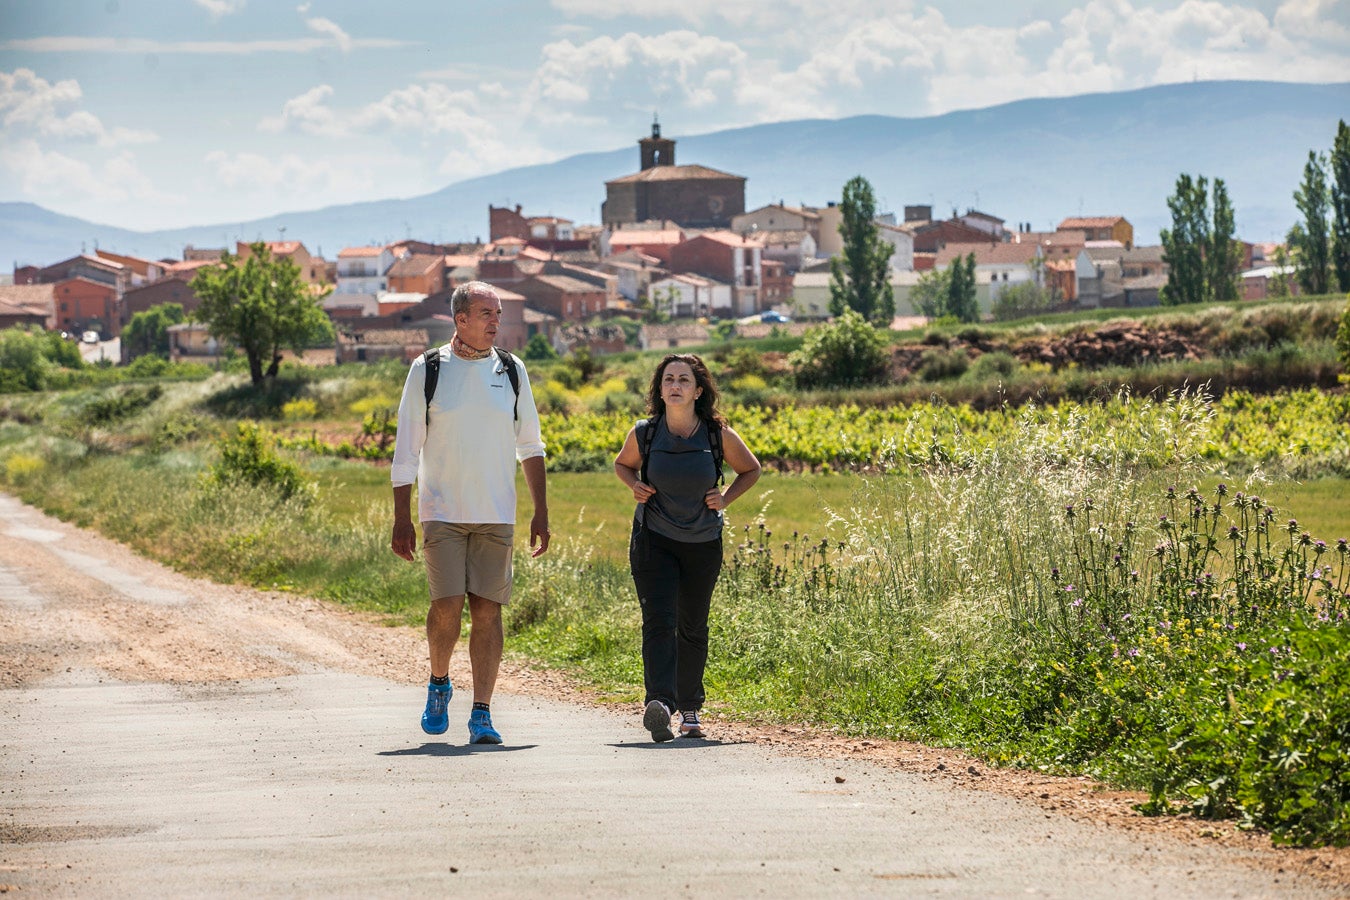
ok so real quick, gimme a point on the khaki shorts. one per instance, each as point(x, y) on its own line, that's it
point(468, 559)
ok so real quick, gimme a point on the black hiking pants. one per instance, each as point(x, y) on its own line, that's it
point(674, 582)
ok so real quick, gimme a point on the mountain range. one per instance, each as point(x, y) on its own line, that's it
point(1035, 161)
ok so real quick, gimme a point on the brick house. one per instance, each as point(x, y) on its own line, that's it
point(693, 196)
point(90, 268)
point(1101, 228)
point(167, 290)
point(545, 232)
point(1260, 283)
point(422, 273)
point(793, 249)
point(28, 304)
point(726, 257)
point(633, 272)
point(193, 342)
point(775, 284)
point(654, 243)
point(777, 217)
point(673, 336)
point(313, 269)
point(930, 237)
point(85, 305)
point(564, 296)
point(982, 221)
point(404, 344)
point(142, 271)
point(433, 316)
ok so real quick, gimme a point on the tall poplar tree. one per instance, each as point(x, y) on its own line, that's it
point(961, 300)
point(1186, 243)
point(1225, 254)
point(1309, 239)
point(1340, 206)
point(860, 278)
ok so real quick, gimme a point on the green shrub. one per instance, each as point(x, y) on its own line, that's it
point(249, 456)
point(302, 408)
point(119, 404)
point(848, 351)
point(999, 364)
point(22, 468)
point(943, 364)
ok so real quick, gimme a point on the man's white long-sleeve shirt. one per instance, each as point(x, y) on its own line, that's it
point(465, 463)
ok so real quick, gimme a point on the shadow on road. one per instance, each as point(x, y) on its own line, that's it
point(677, 744)
point(454, 749)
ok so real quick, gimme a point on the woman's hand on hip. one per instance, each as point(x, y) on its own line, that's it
point(642, 492)
point(714, 499)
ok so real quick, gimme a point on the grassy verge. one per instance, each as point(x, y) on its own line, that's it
point(1058, 598)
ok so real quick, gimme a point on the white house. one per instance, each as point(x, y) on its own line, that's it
point(689, 296)
point(363, 270)
point(902, 240)
point(999, 265)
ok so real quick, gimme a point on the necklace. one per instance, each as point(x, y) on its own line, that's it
point(464, 351)
point(682, 433)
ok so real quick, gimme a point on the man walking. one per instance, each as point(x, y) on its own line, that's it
point(465, 419)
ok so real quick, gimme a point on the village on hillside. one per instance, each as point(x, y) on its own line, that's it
point(676, 248)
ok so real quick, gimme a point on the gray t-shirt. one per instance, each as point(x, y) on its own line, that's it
point(681, 470)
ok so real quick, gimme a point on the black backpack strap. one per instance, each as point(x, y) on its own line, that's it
point(433, 363)
point(513, 373)
point(648, 427)
point(432, 358)
point(715, 444)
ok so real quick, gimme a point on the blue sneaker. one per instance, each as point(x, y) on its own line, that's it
point(435, 720)
point(480, 728)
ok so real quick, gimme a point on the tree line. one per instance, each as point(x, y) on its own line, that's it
point(1204, 257)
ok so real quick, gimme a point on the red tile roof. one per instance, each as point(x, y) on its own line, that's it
point(1090, 222)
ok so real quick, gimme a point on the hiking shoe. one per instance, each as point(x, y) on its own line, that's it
point(434, 718)
point(480, 728)
point(656, 719)
point(689, 725)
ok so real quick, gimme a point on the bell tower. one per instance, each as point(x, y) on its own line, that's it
point(656, 150)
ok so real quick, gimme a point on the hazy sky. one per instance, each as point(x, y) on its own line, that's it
point(161, 113)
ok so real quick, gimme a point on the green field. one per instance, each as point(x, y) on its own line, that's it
point(1150, 590)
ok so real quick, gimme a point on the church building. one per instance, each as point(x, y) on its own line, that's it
point(691, 196)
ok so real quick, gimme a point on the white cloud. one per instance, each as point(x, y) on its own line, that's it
point(332, 30)
point(433, 115)
point(285, 176)
point(800, 57)
point(589, 81)
point(29, 104)
point(308, 113)
point(217, 9)
point(142, 46)
point(1313, 20)
point(58, 177)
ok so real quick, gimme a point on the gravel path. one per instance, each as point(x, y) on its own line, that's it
point(172, 737)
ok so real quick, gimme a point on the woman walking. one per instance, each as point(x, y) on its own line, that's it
point(672, 462)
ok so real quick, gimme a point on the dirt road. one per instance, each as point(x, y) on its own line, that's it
point(163, 736)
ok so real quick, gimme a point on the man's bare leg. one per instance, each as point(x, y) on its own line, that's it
point(485, 646)
point(443, 620)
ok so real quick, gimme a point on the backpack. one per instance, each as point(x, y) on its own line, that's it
point(714, 443)
point(433, 361)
